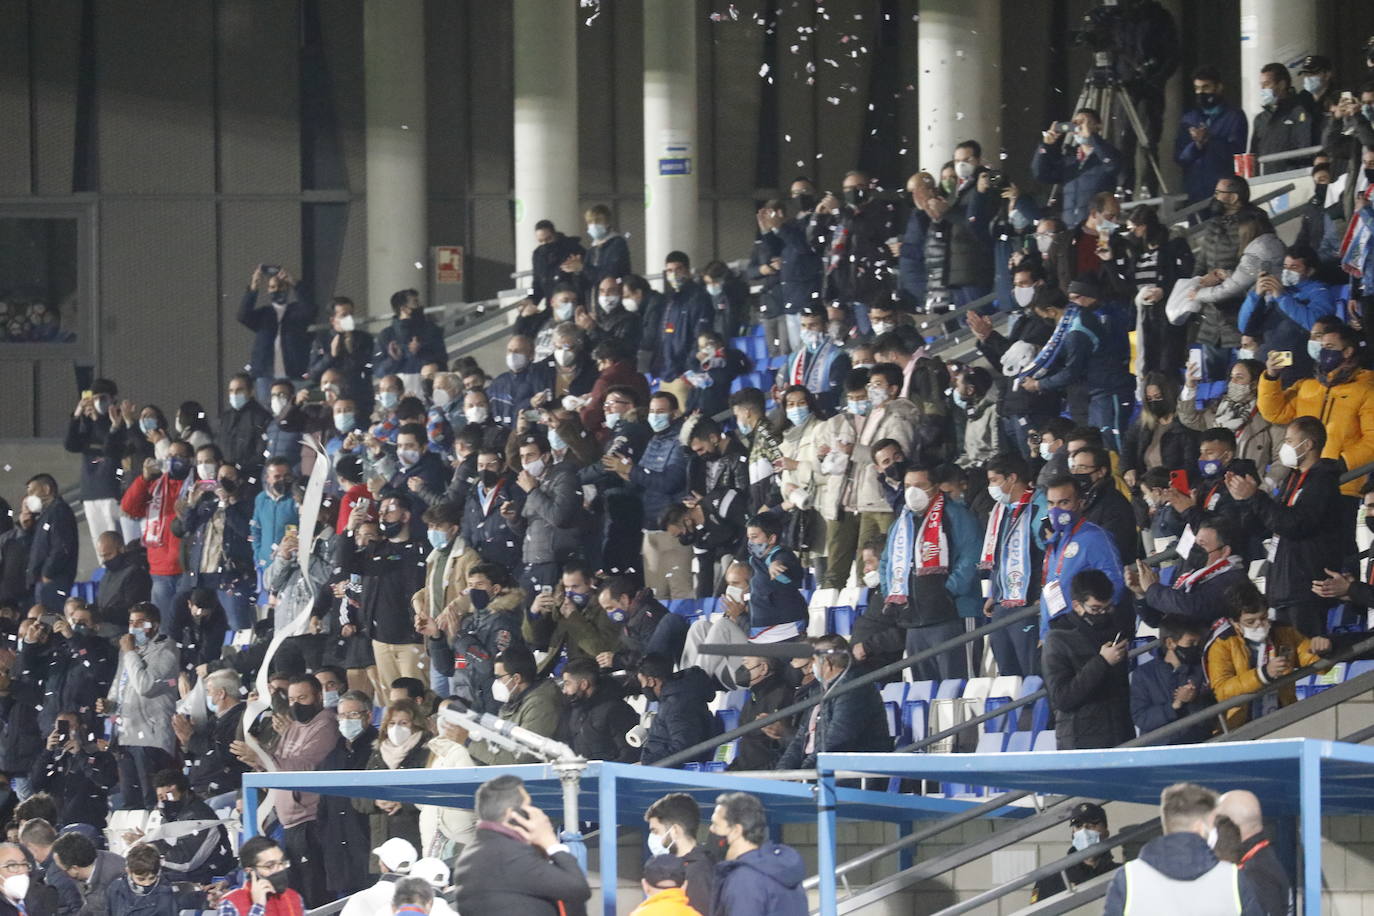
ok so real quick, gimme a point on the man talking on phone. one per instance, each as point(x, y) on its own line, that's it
point(516, 866)
point(1084, 664)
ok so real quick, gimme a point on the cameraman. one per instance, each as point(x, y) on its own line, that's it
point(1087, 166)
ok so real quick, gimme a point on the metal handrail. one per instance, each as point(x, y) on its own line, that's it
point(1289, 154)
point(690, 753)
point(1047, 819)
point(1257, 202)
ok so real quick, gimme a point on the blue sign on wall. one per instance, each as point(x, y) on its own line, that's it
point(681, 166)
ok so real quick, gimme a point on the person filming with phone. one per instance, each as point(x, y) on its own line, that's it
point(1085, 667)
point(516, 866)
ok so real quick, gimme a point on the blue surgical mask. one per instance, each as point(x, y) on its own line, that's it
point(745, 428)
point(1267, 96)
point(612, 420)
point(658, 422)
point(350, 728)
point(237, 399)
point(1209, 468)
point(1312, 84)
point(388, 399)
point(797, 416)
point(556, 441)
point(147, 424)
point(596, 230)
point(344, 422)
point(857, 408)
point(960, 400)
point(1106, 225)
point(140, 635)
point(438, 538)
point(1314, 349)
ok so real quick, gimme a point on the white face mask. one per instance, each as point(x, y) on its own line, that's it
point(206, 469)
point(34, 504)
point(398, 734)
point(441, 398)
point(475, 414)
point(878, 396)
point(1289, 277)
point(1288, 456)
point(660, 845)
point(1045, 451)
point(630, 305)
point(607, 303)
point(1043, 243)
point(998, 494)
point(882, 327)
point(499, 691)
point(1083, 838)
point(516, 362)
point(408, 456)
point(535, 467)
point(279, 403)
point(16, 887)
point(564, 357)
point(563, 311)
point(346, 324)
point(964, 169)
point(1256, 634)
point(872, 578)
point(1245, 353)
point(917, 500)
point(1023, 295)
point(734, 593)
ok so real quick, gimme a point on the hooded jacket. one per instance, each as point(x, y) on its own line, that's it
point(764, 880)
point(144, 695)
point(1090, 698)
point(595, 726)
point(683, 718)
point(1346, 409)
point(1183, 858)
point(1232, 672)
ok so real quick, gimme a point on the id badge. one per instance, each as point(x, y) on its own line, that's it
point(1054, 598)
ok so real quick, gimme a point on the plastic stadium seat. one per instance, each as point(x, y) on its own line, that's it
point(1355, 669)
point(920, 690)
point(1044, 741)
point(777, 362)
point(709, 605)
point(692, 767)
point(916, 715)
point(1019, 741)
point(951, 689)
point(735, 700)
point(684, 607)
point(997, 723)
point(992, 743)
point(975, 693)
point(894, 700)
point(756, 331)
point(1040, 714)
point(840, 620)
point(729, 719)
point(1008, 685)
point(714, 766)
point(895, 692)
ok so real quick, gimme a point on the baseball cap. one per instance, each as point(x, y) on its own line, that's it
point(1088, 813)
point(396, 854)
point(665, 870)
point(1085, 288)
point(432, 870)
point(1314, 63)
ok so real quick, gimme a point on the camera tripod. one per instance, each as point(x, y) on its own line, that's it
point(1102, 91)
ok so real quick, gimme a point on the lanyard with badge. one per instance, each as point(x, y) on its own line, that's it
point(1053, 591)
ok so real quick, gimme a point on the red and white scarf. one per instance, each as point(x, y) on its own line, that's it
point(154, 521)
point(928, 551)
point(989, 553)
point(1189, 581)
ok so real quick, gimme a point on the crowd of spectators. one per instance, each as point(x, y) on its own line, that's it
point(1170, 432)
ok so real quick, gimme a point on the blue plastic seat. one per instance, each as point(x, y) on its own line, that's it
point(951, 689)
point(916, 718)
point(728, 718)
point(997, 723)
point(840, 620)
point(1019, 741)
point(1355, 669)
point(1044, 741)
point(894, 701)
point(1040, 714)
point(991, 743)
point(683, 607)
point(736, 699)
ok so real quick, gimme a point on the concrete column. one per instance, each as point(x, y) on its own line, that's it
point(394, 73)
point(670, 132)
point(1273, 31)
point(545, 121)
point(959, 49)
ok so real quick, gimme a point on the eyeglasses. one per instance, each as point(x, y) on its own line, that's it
point(354, 715)
point(14, 868)
point(275, 865)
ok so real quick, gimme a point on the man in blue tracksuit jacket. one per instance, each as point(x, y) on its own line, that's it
point(1209, 136)
point(1281, 317)
point(1087, 168)
point(1073, 545)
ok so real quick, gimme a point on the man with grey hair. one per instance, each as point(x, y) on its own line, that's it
point(413, 896)
point(507, 870)
point(215, 772)
point(21, 889)
point(1257, 859)
point(38, 836)
point(1178, 872)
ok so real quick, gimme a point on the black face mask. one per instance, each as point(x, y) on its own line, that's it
point(1197, 557)
point(1369, 175)
point(1159, 408)
point(302, 713)
point(1206, 99)
point(279, 880)
point(391, 529)
point(855, 197)
point(805, 202)
point(792, 676)
point(1188, 655)
point(743, 676)
point(489, 478)
point(1085, 482)
point(650, 693)
point(1098, 622)
point(718, 845)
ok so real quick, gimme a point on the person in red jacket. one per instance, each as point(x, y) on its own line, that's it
point(265, 892)
point(153, 498)
point(615, 367)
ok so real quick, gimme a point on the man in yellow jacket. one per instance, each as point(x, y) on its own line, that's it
point(664, 883)
point(1341, 396)
point(1249, 651)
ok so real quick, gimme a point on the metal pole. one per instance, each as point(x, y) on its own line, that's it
point(250, 812)
point(826, 840)
point(1310, 811)
point(609, 866)
point(570, 775)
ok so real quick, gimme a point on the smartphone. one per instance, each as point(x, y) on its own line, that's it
point(63, 729)
point(271, 270)
point(531, 415)
point(1347, 95)
point(1063, 127)
point(292, 529)
point(1179, 481)
point(546, 589)
point(1285, 358)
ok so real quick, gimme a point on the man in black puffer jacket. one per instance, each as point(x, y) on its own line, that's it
point(852, 721)
point(683, 717)
point(595, 719)
point(1084, 662)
